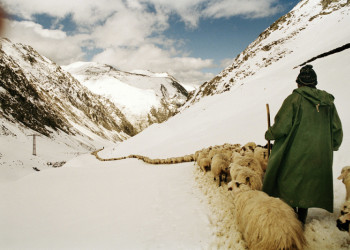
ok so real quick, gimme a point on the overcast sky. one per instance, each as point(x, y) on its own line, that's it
point(191, 39)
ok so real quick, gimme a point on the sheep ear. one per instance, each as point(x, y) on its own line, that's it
point(247, 179)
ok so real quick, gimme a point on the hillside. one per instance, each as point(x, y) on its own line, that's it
point(38, 97)
point(287, 37)
point(144, 97)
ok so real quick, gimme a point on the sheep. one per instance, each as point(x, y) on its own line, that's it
point(245, 175)
point(203, 154)
point(188, 158)
point(220, 167)
point(344, 219)
point(234, 156)
point(250, 162)
point(277, 227)
point(232, 147)
point(345, 177)
point(196, 154)
point(205, 164)
point(214, 152)
point(261, 155)
point(250, 145)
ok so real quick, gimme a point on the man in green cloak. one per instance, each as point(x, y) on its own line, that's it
point(307, 130)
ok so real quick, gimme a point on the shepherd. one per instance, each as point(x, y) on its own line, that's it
point(306, 130)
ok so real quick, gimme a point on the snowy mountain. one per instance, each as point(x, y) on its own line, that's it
point(131, 204)
point(143, 96)
point(287, 37)
point(239, 114)
point(38, 97)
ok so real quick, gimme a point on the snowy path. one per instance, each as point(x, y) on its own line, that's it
point(89, 204)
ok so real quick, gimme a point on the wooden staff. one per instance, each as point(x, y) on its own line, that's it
point(268, 126)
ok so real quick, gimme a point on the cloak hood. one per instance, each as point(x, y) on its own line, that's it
point(315, 96)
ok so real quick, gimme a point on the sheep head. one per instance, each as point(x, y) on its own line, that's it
point(344, 173)
point(237, 187)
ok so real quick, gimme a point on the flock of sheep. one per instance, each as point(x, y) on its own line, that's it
point(243, 169)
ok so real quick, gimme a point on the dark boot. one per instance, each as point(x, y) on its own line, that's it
point(301, 213)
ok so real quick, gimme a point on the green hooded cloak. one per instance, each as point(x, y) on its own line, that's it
point(306, 131)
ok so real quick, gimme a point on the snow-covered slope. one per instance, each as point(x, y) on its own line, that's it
point(144, 97)
point(38, 97)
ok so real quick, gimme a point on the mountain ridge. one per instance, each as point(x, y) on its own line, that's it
point(143, 96)
point(283, 31)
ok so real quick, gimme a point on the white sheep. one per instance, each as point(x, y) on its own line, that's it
point(344, 218)
point(343, 221)
point(266, 222)
point(234, 156)
point(250, 145)
point(261, 155)
point(204, 153)
point(245, 175)
point(345, 177)
point(220, 168)
point(213, 152)
point(205, 164)
point(250, 162)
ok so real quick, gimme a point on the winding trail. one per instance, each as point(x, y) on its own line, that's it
point(173, 160)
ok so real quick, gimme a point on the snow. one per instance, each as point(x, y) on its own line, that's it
point(149, 73)
point(128, 204)
point(124, 205)
point(16, 149)
point(135, 94)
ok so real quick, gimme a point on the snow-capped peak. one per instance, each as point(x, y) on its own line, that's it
point(145, 97)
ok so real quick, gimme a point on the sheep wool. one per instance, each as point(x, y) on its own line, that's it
point(250, 162)
point(205, 164)
point(345, 177)
point(250, 145)
point(261, 155)
point(220, 167)
point(245, 175)
point(278, 226)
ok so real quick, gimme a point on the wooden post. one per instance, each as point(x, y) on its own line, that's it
point(268, 126)
point(34, 144)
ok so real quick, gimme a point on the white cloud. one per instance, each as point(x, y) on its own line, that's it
point(247, 8)
point(130, 32)
point(84, 12)
point(128, 28)
point(54, 44)
point(151, 57)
